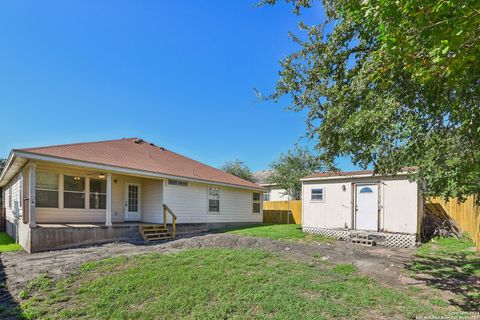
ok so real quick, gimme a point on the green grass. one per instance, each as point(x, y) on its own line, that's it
point(450, 264)
point(289, 232)
point(7, 244)
point(217, 284)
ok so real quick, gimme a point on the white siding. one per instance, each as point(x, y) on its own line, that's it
point(278, 195)
point(334, 212)
point(400, 206)
point(190, 204)
point(17, 199)
point(399, 203)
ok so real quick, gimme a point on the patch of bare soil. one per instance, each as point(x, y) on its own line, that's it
point(380, 263)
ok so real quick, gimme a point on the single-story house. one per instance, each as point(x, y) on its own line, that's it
point(273, 192)
point(64, 195)
point(386, 209)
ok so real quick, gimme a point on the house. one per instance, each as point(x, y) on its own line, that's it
point(359, 204)
point(64, 195)
point(273, 192)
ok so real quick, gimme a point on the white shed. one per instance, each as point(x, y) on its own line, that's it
point(387, 209)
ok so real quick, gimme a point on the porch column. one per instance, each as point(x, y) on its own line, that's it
point(32, 174)
point(108, 207)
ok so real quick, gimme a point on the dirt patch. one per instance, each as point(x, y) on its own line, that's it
point(380, 263)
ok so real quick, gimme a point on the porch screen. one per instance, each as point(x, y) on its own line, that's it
point(46, 190)
point(98, 194)
point(74, 192)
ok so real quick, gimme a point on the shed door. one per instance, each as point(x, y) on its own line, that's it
point(367, 207)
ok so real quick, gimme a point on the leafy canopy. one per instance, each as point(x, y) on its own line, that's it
point(238, 168)
point(290, 167)
point(391, 84)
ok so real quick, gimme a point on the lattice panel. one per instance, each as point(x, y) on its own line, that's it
point(333, 233)
point(391, 239)
point(400, 240)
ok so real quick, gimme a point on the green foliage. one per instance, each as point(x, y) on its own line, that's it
point(219, 284)
point(393, 84)
point(288, 232)
point(290, 167)
point(7, 244)
point(451, 263)
point(344, 269)
point(238, 168)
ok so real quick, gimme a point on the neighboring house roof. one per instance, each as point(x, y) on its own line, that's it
point(137, 154)
point(261, 177)
point(348, 174)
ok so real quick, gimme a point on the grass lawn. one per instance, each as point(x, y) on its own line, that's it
point(217, 284)
point(450, 264)
point(291, 232)
point(7, 244)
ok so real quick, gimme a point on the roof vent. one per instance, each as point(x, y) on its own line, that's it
point(162, 148)
point(138, 141)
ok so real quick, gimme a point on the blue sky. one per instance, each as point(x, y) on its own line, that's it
point(177, 73)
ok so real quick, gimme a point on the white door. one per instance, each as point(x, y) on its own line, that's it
point(132, 202)
point(367, 207)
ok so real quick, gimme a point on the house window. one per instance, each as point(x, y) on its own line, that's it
point(46, 190)
point(98, 194)
point(10, 197)
point(177, 183)
point(74, 192)
point(318, 194)
point(20, 194)
point(256, 202)
point(213, 199)
point(266, 196)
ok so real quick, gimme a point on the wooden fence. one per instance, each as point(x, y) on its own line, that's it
point(282, 212)
point(466, 215)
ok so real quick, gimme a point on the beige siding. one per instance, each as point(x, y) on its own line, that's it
point(188, 203)
point(399, 204)
point(191, 206)
point(152, 209)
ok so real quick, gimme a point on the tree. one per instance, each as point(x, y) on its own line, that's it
point(238, 168)
point(290, 167)
point(392, 84)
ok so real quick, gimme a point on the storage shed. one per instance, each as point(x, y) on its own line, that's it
point(345, 205)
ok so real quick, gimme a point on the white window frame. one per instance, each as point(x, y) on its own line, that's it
point(317, 200)
point(259, 201)
point(219, 199)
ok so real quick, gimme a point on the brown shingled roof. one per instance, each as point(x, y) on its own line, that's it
point(134, 153)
